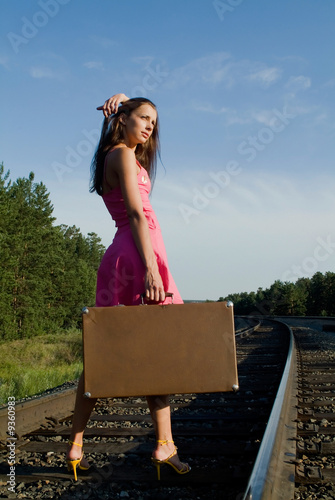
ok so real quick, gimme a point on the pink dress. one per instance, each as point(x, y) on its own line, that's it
point(121, 273)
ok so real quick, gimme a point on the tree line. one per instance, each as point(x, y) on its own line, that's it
point(47, 271)
point(306, 297)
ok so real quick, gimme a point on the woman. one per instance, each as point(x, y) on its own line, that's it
point(136, 262)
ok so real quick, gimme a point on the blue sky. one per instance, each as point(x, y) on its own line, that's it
point(245, 93)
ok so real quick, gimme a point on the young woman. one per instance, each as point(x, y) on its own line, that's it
point(135, 263)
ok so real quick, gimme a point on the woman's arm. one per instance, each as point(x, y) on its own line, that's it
point(112, 104)
point(123, 162)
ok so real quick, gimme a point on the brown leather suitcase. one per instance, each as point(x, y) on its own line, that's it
point(159, 349)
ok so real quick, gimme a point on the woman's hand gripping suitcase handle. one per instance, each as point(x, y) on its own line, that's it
point(143, 297)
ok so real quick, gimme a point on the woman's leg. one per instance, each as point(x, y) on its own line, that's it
point(82, 412)
point(161, 418)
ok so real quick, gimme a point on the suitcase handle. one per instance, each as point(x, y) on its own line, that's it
point(167, 294)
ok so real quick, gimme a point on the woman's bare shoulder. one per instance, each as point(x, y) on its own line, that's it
point(121, 155)
point(122, 158)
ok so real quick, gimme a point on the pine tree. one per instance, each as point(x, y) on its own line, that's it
point(32, 243)
point(47, 272)
point(7, 259)
point(317, 297)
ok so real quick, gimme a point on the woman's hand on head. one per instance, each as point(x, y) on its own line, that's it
point(112, 104)
point(154, 289)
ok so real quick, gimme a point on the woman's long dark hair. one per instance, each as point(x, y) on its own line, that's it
point(112, 135)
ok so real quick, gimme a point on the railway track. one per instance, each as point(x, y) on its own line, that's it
point(233, 442)
point(315, 470)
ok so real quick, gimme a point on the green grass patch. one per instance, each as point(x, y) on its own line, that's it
point(33, 365)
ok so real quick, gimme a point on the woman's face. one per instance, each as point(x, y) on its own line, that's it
point(139, 125)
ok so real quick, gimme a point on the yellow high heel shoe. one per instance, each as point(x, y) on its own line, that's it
point(73, 464)
point(184, 470)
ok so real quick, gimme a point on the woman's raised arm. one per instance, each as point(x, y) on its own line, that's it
point(112, 104)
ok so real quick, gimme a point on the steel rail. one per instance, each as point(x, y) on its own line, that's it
point(32, 413)
point(273, 474)
point(242, 332)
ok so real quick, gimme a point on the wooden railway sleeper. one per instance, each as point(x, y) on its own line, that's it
point(311, 403)
point(315, 387)
point(327, 431)
point(316, 393)
point(312, 448)
point(304, 474)
point(306, 427)
point(305, 414)
point(308, 475)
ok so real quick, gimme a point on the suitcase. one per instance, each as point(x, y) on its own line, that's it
point(149, 350)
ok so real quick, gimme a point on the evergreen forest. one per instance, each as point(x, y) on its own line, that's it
point(306, 297)
point(47, 271)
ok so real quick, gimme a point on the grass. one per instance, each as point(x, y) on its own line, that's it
point(31, 366)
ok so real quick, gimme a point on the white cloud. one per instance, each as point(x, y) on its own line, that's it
point(263, 116)
point(94, 65)
point(104, 42)
point(4, 62)
point(235, 118)
point(48, 65)
point(44, 72)
point(208, 108)
point(266, 77)
point(143, 60)
point(248, 116)
point(321, 118)
point(231, 115)
point(220, 69)
point(296, 83)
point(210, 70)
point(294, 59)
point(330, 83)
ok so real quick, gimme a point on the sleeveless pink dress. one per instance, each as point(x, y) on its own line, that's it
point(121, 273)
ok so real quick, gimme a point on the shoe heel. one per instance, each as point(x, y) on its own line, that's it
point(158, 467)
point(72, 466)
